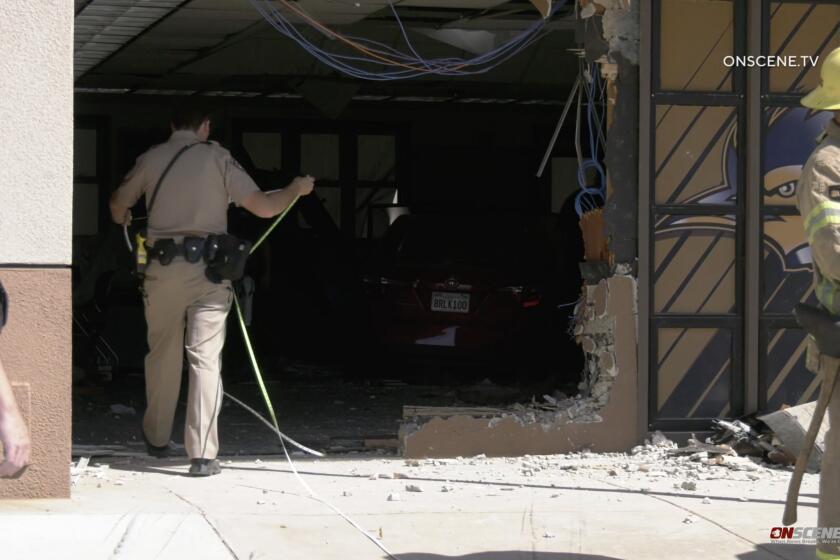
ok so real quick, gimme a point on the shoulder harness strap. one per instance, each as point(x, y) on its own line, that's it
point(165, 172)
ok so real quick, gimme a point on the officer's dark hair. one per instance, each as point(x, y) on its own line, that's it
point(189, 116)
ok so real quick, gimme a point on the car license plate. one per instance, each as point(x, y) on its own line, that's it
point(450, 302)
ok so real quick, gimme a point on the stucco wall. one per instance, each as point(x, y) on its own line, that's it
point(36, 188)
point(36, 351)
point(36, 131)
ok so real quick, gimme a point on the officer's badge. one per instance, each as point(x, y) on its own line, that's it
point(834, 192)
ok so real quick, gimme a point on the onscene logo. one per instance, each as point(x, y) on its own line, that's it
point(770, 61)
point(805, 535)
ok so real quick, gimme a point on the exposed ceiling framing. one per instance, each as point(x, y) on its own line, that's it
point(225, 47)
point(104, 27)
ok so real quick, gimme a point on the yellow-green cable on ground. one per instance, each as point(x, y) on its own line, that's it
point(254, 363)
point(267, 399)
point(251, 355)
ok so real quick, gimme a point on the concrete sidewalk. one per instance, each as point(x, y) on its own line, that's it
point(588, 507)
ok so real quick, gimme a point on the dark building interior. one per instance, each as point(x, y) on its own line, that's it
point(425, 186)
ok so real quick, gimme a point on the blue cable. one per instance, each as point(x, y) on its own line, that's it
point(442, 66)
point(585, 200)
point(405, 35)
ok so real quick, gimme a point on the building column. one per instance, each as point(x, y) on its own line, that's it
point(36, 187)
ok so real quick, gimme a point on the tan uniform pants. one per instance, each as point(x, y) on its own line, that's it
point(184, 310)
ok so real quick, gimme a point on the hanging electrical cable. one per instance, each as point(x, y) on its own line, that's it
point(588, 197)
point(399, 65)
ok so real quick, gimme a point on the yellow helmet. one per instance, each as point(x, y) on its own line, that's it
point(826, 96)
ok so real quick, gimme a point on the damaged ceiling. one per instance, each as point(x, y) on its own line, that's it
point(225, 46)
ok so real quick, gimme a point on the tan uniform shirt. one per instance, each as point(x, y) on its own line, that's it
point(194, 197)
point(818, 200)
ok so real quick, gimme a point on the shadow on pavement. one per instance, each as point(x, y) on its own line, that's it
point(166, 467)
point(172, 468)
point(507, 555)
point(557, 487)
point(769, 551)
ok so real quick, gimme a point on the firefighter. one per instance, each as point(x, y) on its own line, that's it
point(188, 183)
point(818, 200)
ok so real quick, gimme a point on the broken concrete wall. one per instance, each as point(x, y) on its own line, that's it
point(597, 333)
point(620, 22)
point(603, 417)
point(612, 386)
point(617, 50)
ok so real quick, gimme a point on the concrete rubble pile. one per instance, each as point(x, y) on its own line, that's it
point(752, 438)
point(659, 459)
point(550, 410)
point(696, 461)
point(101, 472)
point(559, 407)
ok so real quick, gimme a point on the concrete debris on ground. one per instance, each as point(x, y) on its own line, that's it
point(160, 501)
point(790, 425)
point(697, 461)
point(121, 409)
point(78, 469)
point(83, 469)
point(775, 438)
point(685, 469)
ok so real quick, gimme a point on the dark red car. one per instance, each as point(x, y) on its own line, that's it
point(462, 288)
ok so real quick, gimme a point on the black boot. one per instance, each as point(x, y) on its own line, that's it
point(160, 452)
point(204, 467)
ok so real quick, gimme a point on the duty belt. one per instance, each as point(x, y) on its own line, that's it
point(165, 250)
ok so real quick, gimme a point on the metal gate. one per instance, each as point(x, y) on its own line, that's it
point(722, 245)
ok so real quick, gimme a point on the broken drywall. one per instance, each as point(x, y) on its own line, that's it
point(621, 30)
point(618, 21)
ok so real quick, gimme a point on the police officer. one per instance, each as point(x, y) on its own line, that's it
point(184, 309)
point(818, 200)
